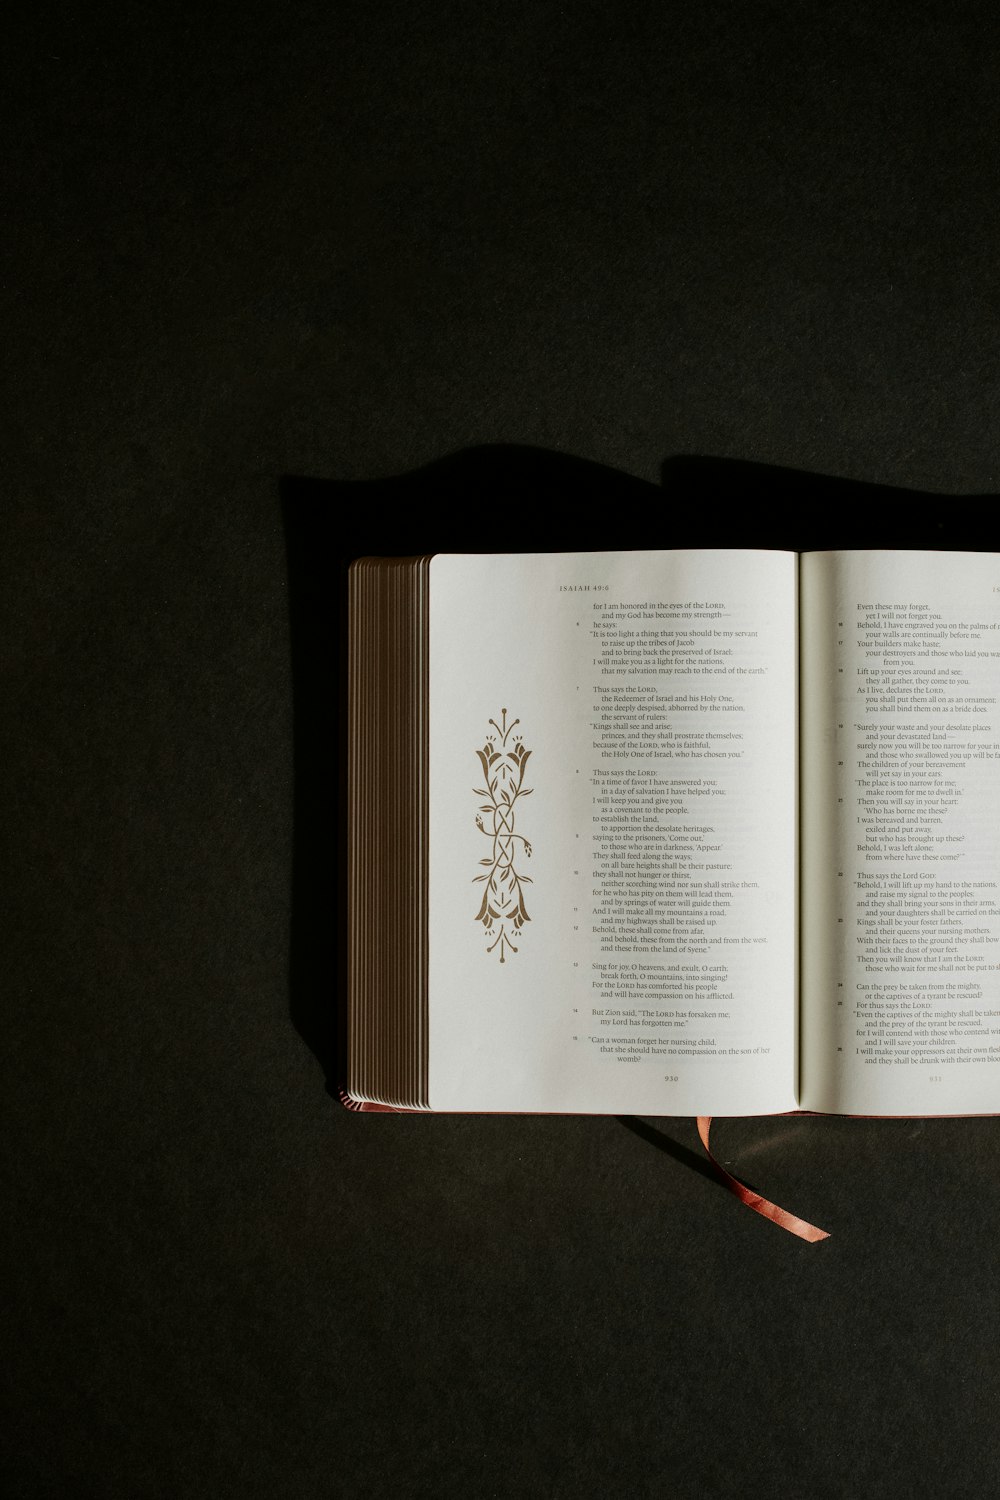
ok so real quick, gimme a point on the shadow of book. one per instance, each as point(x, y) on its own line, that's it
point(724, 502)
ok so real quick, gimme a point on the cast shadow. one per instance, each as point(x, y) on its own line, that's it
point(743, 504)
point(682, 1154)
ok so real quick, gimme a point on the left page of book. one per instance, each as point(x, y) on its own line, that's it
point(613, 832)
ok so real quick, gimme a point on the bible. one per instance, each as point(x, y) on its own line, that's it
point(686, 833)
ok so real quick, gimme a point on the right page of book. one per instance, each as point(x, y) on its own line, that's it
point(900, 787)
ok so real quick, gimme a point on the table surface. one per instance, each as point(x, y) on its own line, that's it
point(345, 243)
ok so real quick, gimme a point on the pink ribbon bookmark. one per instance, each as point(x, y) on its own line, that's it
point(760, 1205)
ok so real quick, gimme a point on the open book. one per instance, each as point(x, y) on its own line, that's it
point(685, 833)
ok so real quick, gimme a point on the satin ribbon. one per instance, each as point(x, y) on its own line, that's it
point(760, 1205)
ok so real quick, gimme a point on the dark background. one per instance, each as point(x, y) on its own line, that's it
point(342, 242)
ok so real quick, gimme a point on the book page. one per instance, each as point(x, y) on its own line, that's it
point(901, 832)
point(613, 837)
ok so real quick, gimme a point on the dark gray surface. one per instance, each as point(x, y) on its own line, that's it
point(342, 241)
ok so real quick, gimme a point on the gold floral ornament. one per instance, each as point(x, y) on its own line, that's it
point(503, 899)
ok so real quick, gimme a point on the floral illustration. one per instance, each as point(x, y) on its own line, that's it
point(503, 909)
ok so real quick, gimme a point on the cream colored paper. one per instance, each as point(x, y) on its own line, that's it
point(901, 832)
point(653, 686)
